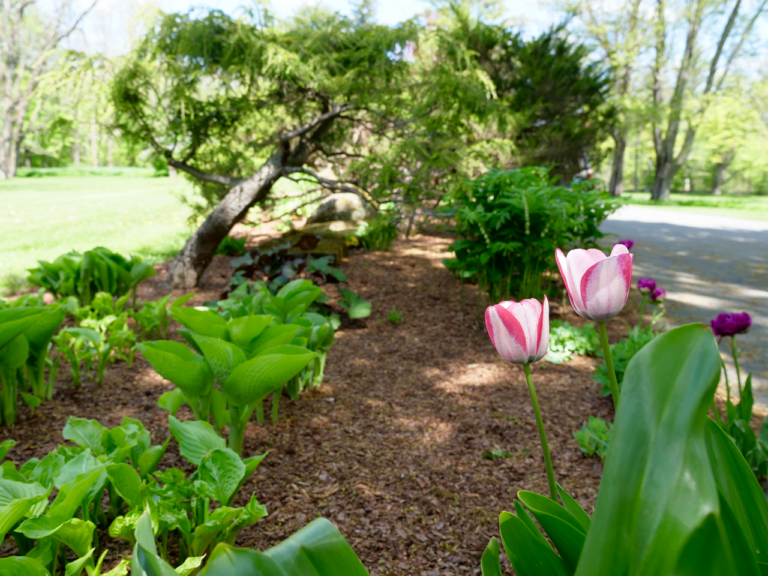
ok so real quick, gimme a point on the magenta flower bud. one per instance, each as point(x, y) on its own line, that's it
point(646, 285)
point(598, 285)
point(731, 324)
point(627, 242)
point(519, 330)
point(658, 294)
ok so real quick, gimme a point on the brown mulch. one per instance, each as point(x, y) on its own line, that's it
point(389, 447)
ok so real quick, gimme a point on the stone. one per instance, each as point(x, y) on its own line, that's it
point(344, 206)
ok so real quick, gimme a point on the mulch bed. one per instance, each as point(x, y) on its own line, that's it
point(389, 447)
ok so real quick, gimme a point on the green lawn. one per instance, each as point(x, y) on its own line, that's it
point(750, 207)
point(41, 218)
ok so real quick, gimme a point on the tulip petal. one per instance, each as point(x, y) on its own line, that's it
point(619, 249)
point(542, 345)
point(572, 269)
point(507, 334)
point(605, 287)
point(528, 313)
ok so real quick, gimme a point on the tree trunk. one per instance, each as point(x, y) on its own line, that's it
point(187, 268)
point(662, 182)
point(7, 147)
point(616, 186)
point(719, 179)
point(94, 144)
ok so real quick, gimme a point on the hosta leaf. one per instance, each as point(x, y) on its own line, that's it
point(5, 446)
point(72, 494)
point(244, 330)
point(222, 470)
point(171, 401)
point(86, 433)
point(76, 568)
point(257, 378)
point(150, 458)
point(646, 508)
point(273, 336)
point(203, 322)
point(195, 438)
point(222, 356)
point(219, 409)
point(177, 363)
point(14, 321)
point(83, 463)
point(190, 565)
point(126, 482)
point(21, 566)
point(15, 353)
point(74, 533)
point(40, 333)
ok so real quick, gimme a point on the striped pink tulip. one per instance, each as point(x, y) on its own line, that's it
point(519, 330)
point(598, 285)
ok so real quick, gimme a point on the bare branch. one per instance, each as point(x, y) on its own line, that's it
point(340, 185)
point(205, 177)
point(301, 130)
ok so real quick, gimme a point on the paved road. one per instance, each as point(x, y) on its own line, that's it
point(708, 264)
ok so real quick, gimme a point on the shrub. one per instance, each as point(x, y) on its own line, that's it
point(566, 340)
point(594, 436)
point(231, 247)
point(509, 223)
point(379, 233)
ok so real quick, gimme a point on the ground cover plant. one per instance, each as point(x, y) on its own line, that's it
point(508, 224)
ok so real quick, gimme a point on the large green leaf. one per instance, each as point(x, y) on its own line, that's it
point(86, 433)
point(21, 566)
point(14, 321)
point(76, 568)
point(657, 485)
point(74, 533)
point(14, 354)
point(565, 531)
point(222, 356)
point(127, 483)
point(41, 332)
point(17, 499)
point(273, 336)
point(739, 487)
point(203, 322)
point(72, 494)
point(244, 330)
point(318, 549)
point(222, 470)
point(255, 379)
point(195, 438)
point(177, 363)
point(529, 554)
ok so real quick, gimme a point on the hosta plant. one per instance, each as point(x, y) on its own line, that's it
point(676, 497)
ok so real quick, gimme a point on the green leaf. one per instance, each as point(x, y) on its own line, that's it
point(273, 336)
point(222, 470)
point(244, 330)
point(565, 531)
point(219, 409)
point(171, 401)
point(739, 487)
point(86, 433)
point(746, 402)
point(222, 356)
point(318, 548)
point(40, 333)
point(83, 463)
point(575, 509)
point(255, 379)
point(76, 568)
point(14, 321)
point(5, 446)
point(126, 482)
point(21, 566)
point(177, 363)
point(72, 494)
point(490, 564)
point(86, 333)
point(190, 565)
point(646, 507)
point(181, 300)
point(18, 500)
point(30, 400)
point(75, 533)
point(195, 438)
point(355, 306)
point(203, 322)
point(15, 353)
point(527, 553)
point(150, 458)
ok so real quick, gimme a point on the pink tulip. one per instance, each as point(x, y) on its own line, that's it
point(598, 285)
point(519, 330)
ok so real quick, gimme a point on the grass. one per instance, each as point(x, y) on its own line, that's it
point(41, 218)
point(749, 207)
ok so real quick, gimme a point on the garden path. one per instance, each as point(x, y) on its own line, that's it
point(708, 265)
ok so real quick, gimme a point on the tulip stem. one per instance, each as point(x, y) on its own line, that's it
point(609, 364)
point(542, 434)
point(735, 351)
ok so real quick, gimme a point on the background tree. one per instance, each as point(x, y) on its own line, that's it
point(672, 114)
point(239, 104)
point(28, 43)
point(620, 32)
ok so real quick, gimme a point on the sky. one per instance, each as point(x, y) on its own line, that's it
point(108, 28)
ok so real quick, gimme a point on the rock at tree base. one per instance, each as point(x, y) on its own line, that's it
point(344, 206)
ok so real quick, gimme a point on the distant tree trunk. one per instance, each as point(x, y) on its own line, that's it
point(187, 268)
point(9, 145)
point(719, 176)
point(616, 186)
point(76, 147)
point(662, 181)
point(110, 151)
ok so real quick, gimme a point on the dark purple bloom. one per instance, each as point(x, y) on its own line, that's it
point(731, 324)
point(646, 285)
point(627, 242)
point(658, 294)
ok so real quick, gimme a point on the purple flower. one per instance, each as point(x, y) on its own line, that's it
point(658, 294)
point(646, 285)
point(731, 324)
point(627, 242)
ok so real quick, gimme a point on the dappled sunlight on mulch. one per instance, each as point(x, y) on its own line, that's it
point(389, 448)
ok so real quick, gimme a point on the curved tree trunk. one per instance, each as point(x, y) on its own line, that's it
point(662, 182)
point(616, 186)
point(188, 267)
